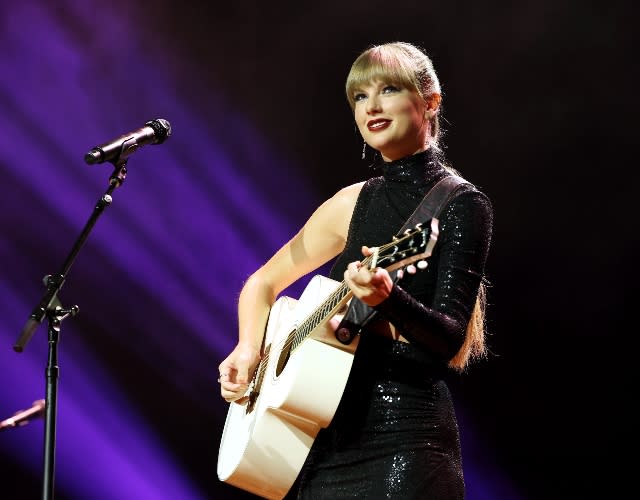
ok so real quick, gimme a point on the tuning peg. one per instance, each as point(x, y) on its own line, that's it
point(411, 269)
point(422, 264)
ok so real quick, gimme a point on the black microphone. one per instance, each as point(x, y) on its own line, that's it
point(153, 132)
point(23, 416)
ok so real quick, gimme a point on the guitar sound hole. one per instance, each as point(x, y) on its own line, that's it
point(283, 359)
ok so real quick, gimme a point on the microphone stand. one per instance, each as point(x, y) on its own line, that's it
point(51, 308)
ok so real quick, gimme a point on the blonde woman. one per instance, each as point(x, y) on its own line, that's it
point(394, 433)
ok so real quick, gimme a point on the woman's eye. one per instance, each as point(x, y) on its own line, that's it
point(359, 97)
point(390, 89)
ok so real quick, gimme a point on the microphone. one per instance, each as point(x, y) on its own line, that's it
point(23, 416)
point(153, 132)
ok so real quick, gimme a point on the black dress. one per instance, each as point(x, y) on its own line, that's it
point(395, 434)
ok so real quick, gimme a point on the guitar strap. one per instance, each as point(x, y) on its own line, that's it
point(358, 313)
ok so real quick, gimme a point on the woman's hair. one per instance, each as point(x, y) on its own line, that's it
point(409, 66)
point(399, 63)
point(474, 346)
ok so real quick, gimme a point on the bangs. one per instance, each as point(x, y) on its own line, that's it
point(386, 66)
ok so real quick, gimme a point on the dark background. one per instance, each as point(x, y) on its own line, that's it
point(540, 107)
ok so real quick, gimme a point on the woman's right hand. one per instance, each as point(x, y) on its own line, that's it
point(236, 371)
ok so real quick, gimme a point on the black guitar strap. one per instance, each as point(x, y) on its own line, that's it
point(358, 313)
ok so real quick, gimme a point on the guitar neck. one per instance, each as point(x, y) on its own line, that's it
point(411, 247)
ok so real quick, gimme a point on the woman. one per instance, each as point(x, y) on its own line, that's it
point(394, 434)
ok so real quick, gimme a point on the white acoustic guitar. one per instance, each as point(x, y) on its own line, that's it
point(298, 384)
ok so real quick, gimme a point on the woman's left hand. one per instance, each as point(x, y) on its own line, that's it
point(371, 286)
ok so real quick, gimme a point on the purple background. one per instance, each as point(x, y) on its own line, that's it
point(538, 106)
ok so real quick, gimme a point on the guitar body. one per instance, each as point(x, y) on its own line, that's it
point(302, 375)
point(266, 440)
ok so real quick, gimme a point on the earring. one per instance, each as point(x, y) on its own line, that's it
point(364, 149)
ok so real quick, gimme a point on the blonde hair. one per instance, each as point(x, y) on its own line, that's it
point(474, 346)
point(409, 66)
point(400, 63)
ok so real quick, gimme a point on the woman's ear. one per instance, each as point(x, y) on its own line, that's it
point(433, 103)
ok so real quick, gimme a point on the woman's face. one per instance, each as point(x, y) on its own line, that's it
point(391, 119)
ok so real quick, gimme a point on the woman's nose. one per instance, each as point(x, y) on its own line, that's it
point(373, 104)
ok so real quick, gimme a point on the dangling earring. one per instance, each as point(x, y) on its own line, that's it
point(364, 149)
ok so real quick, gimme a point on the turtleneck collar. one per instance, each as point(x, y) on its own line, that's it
point(417, 169)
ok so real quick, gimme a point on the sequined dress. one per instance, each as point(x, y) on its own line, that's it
point(395, 434)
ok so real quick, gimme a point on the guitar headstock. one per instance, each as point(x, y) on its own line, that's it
point(415, 245)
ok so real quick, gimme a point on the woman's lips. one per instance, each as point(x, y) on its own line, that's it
point(375, 125)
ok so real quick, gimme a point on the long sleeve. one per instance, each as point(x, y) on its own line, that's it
point(439, 326)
